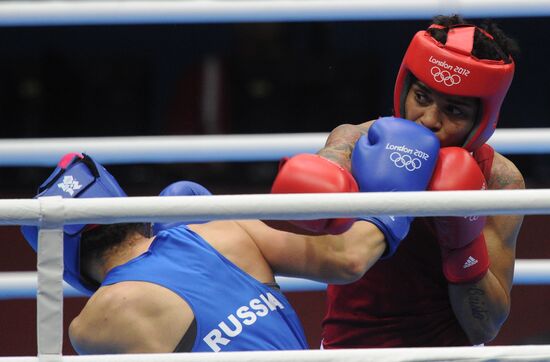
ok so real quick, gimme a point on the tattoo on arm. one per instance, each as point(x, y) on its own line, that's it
point(340, 144)
point(501, 182)
point(476, 300)
point(505, 175)
point(341, 154)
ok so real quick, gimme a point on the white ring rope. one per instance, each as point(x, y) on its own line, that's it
point(424, 354)
point(216, 148)
point(38, 13)
point(23, 285)
point(281, 206)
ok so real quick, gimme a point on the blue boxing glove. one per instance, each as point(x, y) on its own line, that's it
point(180, 188)
point(395, 155)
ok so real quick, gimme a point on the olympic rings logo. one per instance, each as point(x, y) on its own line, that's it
point(406, 161)
point(445, 77)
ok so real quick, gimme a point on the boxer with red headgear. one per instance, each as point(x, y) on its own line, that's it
point(202, 287)
point(452, 68)
point(449, 282)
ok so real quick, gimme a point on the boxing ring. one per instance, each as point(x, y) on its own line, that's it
point(50, 214)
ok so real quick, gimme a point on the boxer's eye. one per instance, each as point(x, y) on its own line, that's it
point(422, 98)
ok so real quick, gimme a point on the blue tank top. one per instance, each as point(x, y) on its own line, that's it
point(233, 311)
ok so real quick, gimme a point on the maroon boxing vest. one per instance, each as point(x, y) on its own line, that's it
point(402, 301)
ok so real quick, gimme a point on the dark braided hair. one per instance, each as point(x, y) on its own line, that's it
point(501, 48)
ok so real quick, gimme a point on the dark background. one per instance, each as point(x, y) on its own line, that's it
point(271, 78)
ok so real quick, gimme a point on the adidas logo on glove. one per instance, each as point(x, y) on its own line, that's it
point(471, 261)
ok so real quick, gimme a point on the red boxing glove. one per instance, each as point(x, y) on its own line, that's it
point(308, 173)
point(464, 253)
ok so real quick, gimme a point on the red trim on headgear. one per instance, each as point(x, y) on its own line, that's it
point(452, 69)
point(68, 158)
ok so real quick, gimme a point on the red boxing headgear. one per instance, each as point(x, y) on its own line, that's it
point(452, 69)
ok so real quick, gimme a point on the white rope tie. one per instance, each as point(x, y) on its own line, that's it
point(50, 279)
